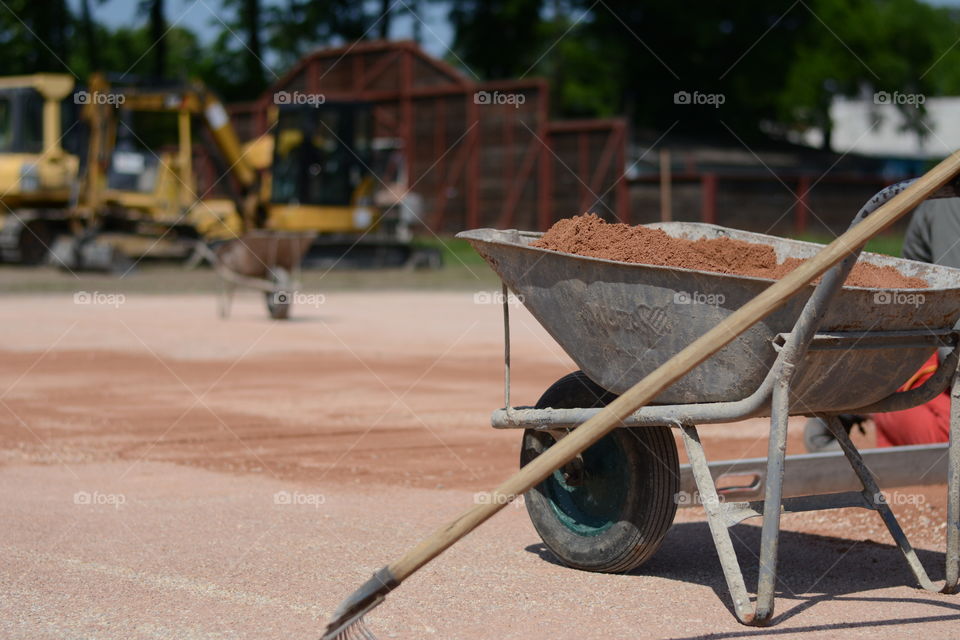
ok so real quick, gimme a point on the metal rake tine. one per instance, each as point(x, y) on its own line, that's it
point(358, 630)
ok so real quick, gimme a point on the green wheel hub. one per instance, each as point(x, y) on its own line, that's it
point(595, 503)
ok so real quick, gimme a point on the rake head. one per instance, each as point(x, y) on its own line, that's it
point(356, 630)
point(347, 622)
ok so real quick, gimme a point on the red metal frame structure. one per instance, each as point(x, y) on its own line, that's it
point(799, 191)
point(479, 153)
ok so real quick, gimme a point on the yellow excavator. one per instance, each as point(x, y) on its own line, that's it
point(324, 172)
point(139, 195)
point(42, 143)
point(329, 175)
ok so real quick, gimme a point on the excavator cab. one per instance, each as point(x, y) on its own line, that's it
point(321, 174)
point(330, 175)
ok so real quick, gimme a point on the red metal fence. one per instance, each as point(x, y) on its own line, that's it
point(786, 203)
point(479, 153)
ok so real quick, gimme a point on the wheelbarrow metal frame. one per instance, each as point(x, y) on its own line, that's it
point(271, 268)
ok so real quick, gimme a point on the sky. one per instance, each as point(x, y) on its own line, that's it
point(201, 17)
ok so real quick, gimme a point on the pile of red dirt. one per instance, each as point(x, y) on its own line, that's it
point(589, 235)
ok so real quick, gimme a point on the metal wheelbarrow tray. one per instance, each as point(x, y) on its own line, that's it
point(620, 321)
point(829, 350)
point(264, 260)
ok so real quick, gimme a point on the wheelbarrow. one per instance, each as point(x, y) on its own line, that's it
point(829, 350)
point(267, 261)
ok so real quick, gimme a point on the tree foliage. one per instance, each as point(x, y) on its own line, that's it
point(776, 63)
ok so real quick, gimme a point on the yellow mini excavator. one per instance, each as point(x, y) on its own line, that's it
point(41, 146)
point(140, 195)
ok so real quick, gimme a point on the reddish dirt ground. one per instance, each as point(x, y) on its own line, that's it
point(168, 474)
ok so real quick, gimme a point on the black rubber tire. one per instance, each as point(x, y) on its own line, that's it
point(644, 460)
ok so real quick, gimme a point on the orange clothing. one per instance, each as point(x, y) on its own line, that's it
point(925, 424)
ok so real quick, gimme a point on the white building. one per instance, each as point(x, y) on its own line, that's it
point(878, 126)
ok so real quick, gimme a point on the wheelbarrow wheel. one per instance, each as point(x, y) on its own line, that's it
point(278, 300)
point(610, 508)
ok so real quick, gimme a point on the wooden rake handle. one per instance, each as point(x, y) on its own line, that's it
point(679, 365)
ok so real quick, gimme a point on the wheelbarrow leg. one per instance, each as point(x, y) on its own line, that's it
point(953, 491)
point(747, 613)
point(773, 497)
point(718, 526)
point(874, 497)
point(226, 299)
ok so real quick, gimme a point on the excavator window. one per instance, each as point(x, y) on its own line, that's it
point(142, 138)
point(322, 153)
point(21, 121)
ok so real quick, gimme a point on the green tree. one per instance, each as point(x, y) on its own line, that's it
point(34, 36)
point(157, 28)
point(892, 46)
point(124, 54)
point(233, 64)
point(498, 38)
point(297, 27)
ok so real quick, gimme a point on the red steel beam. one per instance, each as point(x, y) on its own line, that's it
point(361, 47)
point(583, 168)
point(473, 165)
point(623, 193)
point(603, 165)
point(545, 186)
point(506, 131)
point(377, 69)
point(440, 129)
point(357, 72)
point(387, 121)
point(545, 177)
point(507, 213)
point(456, 168)
point(709, 198)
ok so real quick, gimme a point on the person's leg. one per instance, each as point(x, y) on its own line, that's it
point(927, 424)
